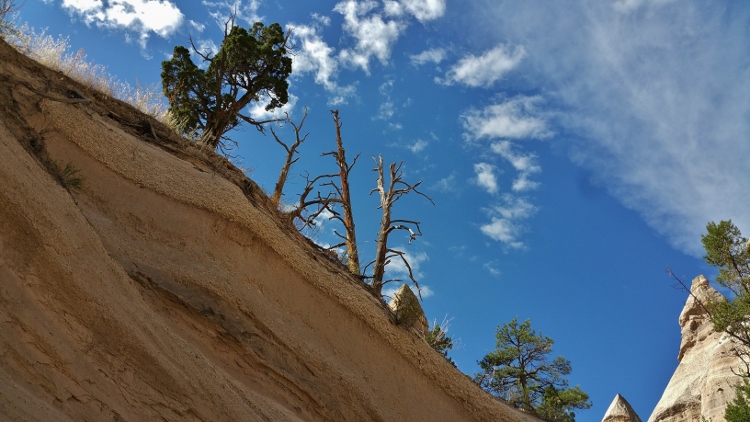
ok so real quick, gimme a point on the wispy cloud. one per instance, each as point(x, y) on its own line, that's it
point(525, 164)
point(507, 221)
point(418, 146)
point(373, 35)
point(244, 11)
point(491, 268)
point(447, 184)
point(258, 109)
point(370, 31)
point(390, 289)
point(484, 70)
point(435, 55)
point(425, 10)
point(655, 93)
point(514, 118)
point(315, 56)
point(142, 17)
point(387, 108)
point(396, 269)
point(486, 177)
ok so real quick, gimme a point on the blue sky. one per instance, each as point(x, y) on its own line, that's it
point(574, 150)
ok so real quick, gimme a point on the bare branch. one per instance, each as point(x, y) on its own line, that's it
point(290, 153)
point(390, 193)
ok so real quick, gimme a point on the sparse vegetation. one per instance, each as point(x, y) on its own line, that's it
point(8, 10)
point(70, 177)
point(55, 53)
point(439, 340)
point(739, 409)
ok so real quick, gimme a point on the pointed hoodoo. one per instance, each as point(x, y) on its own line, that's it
point(408, 310)
point(620, 411)
point(704, 381)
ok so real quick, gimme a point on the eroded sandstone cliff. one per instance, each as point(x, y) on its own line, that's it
point(703, 382)
point(164, 290)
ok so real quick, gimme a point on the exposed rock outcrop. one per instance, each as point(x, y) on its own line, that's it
point(620, 411)
point(408, 310)
point(166, 290)
point(703, 382)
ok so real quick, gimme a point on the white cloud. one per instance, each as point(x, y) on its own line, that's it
point(503, 230)
point(425, 10)
point(514, 208)
point(393, 8)
point(514, 118)
point(396, 269)
point(386, 111)
point(390, 289)
point(654, 97)
point(525, 164)
point(627, 6)
point(434, 55)
point(425, 291)
point(374, 36)
point(522, 183)
point(418, 146)
point(205, 46)
point(491, 268)
point(142, 17)
point(507, 221)
point(315, 56)
point(486, 177)
point(196, 25)
point(84, 6)
point(246, 11)
point(447, 184)
point(258, 109)
point(486, 69)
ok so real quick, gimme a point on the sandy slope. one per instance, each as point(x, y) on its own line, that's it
point(163, 290)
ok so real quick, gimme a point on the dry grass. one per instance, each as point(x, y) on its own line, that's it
point(55, 53)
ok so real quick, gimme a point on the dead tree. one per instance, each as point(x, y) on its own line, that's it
point(337, 197)
point(291, 151)
point(350, 238)
point(389, 195)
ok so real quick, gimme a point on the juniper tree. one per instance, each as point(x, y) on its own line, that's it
point(250, 66)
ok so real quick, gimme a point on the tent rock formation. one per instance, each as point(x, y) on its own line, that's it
point(703, 382)
point(620, 411)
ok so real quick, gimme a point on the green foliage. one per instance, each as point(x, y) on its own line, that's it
point(727, 249)
point(249, 66)
point(520, 372)
point(439, 340)
point(558, 405)
point(69, 176)
point(739, 409)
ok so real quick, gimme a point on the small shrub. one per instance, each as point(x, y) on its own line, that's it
point(69, 176)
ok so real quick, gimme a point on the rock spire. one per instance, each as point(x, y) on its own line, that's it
point(703, 382)
point(620, 411)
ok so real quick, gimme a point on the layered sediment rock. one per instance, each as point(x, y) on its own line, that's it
point(703, 382)
point(167, 287)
